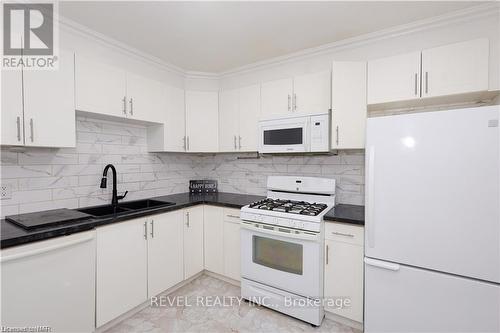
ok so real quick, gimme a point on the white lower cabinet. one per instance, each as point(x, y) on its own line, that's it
point(214, 248)
point(344, 268)
point(121, 268)
point(165, 251)
point(50, 283)
point(193, 241)
point(231, 240)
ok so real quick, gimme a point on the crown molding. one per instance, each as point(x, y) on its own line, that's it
point(464, 15)
point(84, 31)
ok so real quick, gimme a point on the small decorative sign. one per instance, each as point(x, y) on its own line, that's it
point(203, 186)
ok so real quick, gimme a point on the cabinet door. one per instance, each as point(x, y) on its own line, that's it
point(249, 110)
point(146, 99)
point(12, 108)
point(276, 98)
point(100, 88)
point(175, 123)
point(202, 121)
point(228, 120)
point(456, 68)
point(193, 241)
point(49, 105)
point(344, 277)
point(165, 252)
point(348, 105)
point(394, 78)
point(311, 93)
point(232, 253)
point(121, 269)
point(51, 282)
point(214, 231)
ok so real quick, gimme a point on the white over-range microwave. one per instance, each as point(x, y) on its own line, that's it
point(308, 133)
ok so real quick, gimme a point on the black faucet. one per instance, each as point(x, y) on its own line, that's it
point(116, 197)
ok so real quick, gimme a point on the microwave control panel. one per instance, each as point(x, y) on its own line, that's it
point(320, 134)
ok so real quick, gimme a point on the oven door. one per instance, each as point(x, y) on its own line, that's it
point(284, 135)
point(283, 258)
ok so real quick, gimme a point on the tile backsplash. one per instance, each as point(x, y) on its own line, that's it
point(43, 178)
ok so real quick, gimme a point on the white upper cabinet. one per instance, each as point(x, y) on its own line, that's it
point(146, 99)
point(349, 110)
point(202, 121)
point(49, 105)
point(394, 78)
point(456, 68)
point(311, 93)
point(250, 113)
point(453, 69)
point(38, 107)
point(239, 113)
point(175, 123)
point(228, 120)
point(277, 98)
point(305, 94)
point(100, 88)
point(12, 108)
point(165, 251)
point(111, 91)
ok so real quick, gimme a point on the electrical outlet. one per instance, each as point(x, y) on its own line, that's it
point(5, 191)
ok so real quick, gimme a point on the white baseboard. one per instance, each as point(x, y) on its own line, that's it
point(344, 320)
point(144, 305)
point(223, 278)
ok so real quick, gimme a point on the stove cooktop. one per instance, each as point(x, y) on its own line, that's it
point(289, 206)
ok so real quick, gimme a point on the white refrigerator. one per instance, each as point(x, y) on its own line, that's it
point(432, 241)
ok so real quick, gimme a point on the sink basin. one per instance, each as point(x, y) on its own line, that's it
point(144, 204)
point(103, 210)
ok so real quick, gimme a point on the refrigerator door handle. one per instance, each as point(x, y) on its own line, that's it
point(382, 264)
point(370, 225)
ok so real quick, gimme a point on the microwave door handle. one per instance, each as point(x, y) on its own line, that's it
point(306, 237)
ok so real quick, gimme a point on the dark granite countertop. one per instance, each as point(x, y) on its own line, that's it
point(12, 235)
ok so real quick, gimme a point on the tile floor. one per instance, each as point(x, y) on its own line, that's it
point(174, 315)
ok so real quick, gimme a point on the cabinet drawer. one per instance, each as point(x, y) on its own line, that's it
point(232, 215)
point(344, 233)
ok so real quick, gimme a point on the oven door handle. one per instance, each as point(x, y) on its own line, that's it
point(302, 236)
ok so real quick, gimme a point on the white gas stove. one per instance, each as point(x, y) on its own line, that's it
point(294, 202)
point(282, 246)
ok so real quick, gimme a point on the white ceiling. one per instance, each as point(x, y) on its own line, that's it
point(218, 36)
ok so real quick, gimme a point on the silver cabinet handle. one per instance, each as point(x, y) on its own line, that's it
point(426, 82)
point(235, 142)
point(294, 101)
point(152, 228)
point(327, 251)
point(146, 230)
point(18, 121)
point(416, 84)
point(131, 102)
point(337, 135)
point(233, 216)
point(32, 135)
point(188, 143)
point(184, 144)
point(342, 234)
point(187, 219)
point(239, 141)
point(289, 99)
point(124, 100)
